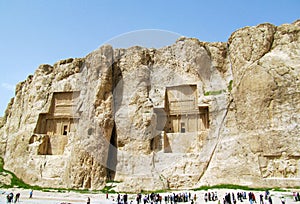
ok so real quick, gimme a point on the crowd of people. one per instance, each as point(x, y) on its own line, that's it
point(11, 198)
point(184, 197)
point(173, 198)
point(210, 196)
point(296, 196)
point(231, 198)
point(156, 198)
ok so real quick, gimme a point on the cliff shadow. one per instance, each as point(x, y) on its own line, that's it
point(112, 155)
point(117, 85)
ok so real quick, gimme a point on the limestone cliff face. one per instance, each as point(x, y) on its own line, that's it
point(260, 135)
point(189, 114)
point(68, 95)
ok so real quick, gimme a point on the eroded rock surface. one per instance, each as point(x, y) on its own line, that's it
point(189, 114)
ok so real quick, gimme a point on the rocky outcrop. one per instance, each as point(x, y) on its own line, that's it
point(5, 179)
point(261, 127)
point(189, 114)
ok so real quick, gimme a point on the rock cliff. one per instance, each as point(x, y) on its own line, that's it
point(189, 114)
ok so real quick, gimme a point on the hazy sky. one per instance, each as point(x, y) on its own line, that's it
point(34, 32)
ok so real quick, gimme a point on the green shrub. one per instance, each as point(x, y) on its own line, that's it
point(233, 186)
point(213, 93)
point(228, 186)
point(230, 86)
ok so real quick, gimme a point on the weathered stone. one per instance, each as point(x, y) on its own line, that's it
point(5, 179)
point(189, 114)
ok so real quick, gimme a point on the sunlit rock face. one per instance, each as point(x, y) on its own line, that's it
point(189, 114)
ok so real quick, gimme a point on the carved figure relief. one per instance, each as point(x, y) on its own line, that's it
point(282, 166)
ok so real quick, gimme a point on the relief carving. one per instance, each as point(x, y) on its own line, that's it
point(283, 166)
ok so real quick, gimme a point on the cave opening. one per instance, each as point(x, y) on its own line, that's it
point(112, 155)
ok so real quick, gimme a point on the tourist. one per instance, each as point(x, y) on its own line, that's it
point(216, 196)
point(233, 198)
point(10, 197)
point(17, 197)
point(254, 199)
point(138, 199)
point(267, 194)
point(145, 199)
point(240, 196)
point(282, 200)
point(250, 197)
point(30, 194)
point(125, 198)
point(245, 195)
point(205, 197)
point(118, 198)
point(228, 198)
point(296, 196)
point(270, 200)
point(159, 198)
point(261, 197)
point(88, 200)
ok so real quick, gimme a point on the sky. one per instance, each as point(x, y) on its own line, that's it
point(35, 32)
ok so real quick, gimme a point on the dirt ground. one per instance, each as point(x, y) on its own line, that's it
point(40, 197)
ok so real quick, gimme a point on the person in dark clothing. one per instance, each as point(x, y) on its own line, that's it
point(125, 197)
point(118, 198)
point(17, 197)
point(10, 197)
point(261, 199)
point(270, 200)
